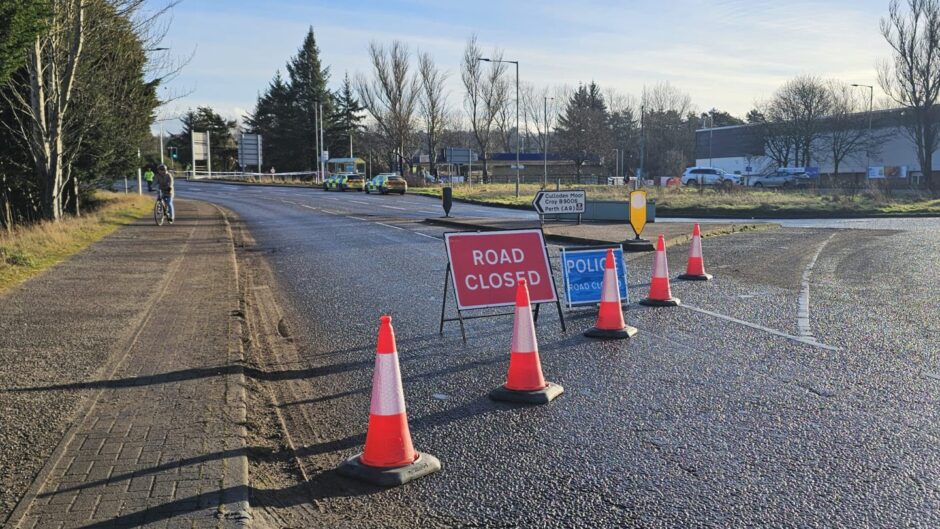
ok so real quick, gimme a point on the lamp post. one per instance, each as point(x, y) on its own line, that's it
point(517, 115)
point(545, 143)
point(871, 102)
point(642, 148)
point(616, 162)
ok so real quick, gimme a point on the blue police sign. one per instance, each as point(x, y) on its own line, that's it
point(583, 271)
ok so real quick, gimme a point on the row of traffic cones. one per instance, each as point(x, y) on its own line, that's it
point(389, 458)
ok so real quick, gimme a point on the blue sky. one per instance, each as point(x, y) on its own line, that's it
point(724, 53)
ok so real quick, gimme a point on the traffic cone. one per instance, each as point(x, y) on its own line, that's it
point(695, 269)
point(389, 459)
point(524, 382)
point(610, 324)
point(660, 293)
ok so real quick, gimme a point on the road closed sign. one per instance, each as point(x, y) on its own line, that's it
point(486, 267)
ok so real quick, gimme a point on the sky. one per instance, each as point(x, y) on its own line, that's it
point(726, 54)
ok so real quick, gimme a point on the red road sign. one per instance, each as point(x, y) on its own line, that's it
point(486, 267)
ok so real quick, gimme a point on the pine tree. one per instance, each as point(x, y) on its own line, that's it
point(584, 128)
point(348, 119)
point(273, 119)
point(308, 87)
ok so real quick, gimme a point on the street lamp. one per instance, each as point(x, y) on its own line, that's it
point(545, 143)
point(517, 115)
point(871, 101)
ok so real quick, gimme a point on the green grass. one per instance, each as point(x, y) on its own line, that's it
point(30, 250)
point(689, 202)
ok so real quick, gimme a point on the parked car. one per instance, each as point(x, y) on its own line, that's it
point(327, 182)
point(353, 182)
point(387, 183)
point(334, 182)
point(780, 179)
point(708, 176)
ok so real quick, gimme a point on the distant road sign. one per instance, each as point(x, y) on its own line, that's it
point(459, 155)
point(249, 150)
point(200, 146)
point(486, 267)
point(557, 202)
point(584, 274)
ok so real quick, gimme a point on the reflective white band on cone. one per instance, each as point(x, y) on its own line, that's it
point(611, 285)
point(523, 337)
point(696, 249)
point(660, 268)
point(387, 396)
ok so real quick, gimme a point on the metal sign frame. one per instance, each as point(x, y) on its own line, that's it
point(624, 299)
point(450, 281)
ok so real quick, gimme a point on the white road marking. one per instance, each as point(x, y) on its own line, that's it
point(357, 218)
point(358, 201)
point(428, 236)
point(308, 207)
point(801, 339)
point(802, 314)
point(390, 226)
point(393, 207)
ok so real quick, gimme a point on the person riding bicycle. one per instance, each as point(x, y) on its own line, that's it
point(164, 182)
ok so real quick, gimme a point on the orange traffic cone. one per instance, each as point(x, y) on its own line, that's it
point(695, 269)
point(389, 458)
point(610, 324)
point(524, 382)
point(660, 293)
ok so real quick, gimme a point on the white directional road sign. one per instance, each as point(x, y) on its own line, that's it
point(557, 202)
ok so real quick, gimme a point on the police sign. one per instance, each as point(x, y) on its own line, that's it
point(584, 274)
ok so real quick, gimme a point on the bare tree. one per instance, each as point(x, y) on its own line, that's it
point(433, 101)
point(794, 120)
point(912, 76)
point(540, 109)
point(391, 96)
point(44, 99)
point(484, 97)
point(846, 126)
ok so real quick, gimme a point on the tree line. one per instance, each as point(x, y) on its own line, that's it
point(63, 122)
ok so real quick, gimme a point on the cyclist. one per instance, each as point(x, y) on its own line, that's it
point(164, 182)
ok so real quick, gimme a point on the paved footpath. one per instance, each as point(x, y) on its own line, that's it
point(159, 439)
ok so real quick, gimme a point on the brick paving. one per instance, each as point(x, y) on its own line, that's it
point(161, 441)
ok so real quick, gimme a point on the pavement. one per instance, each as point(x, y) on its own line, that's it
point(122, 393)
point(799, 388)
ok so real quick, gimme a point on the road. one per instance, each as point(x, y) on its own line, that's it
point(799, 388)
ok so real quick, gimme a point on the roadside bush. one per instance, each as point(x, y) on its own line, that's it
point(15, 257)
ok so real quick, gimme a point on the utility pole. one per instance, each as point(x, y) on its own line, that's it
point(517, 117)
point(320, 154)
point(642, 147)
point(316, 138)
point(545, 142)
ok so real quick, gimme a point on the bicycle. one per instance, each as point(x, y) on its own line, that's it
point(161, 211)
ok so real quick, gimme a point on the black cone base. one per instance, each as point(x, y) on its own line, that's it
point(615, 334)
point(671, 302)
point(389, 477)
point(539, 396)
point(637, 245)
point(696, 277)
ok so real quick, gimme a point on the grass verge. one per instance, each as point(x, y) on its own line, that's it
point(742, 203)
point(30, 250)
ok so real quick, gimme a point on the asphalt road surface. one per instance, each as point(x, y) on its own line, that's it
point(798, 389)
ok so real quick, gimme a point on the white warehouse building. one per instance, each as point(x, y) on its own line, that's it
point(740, 149)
